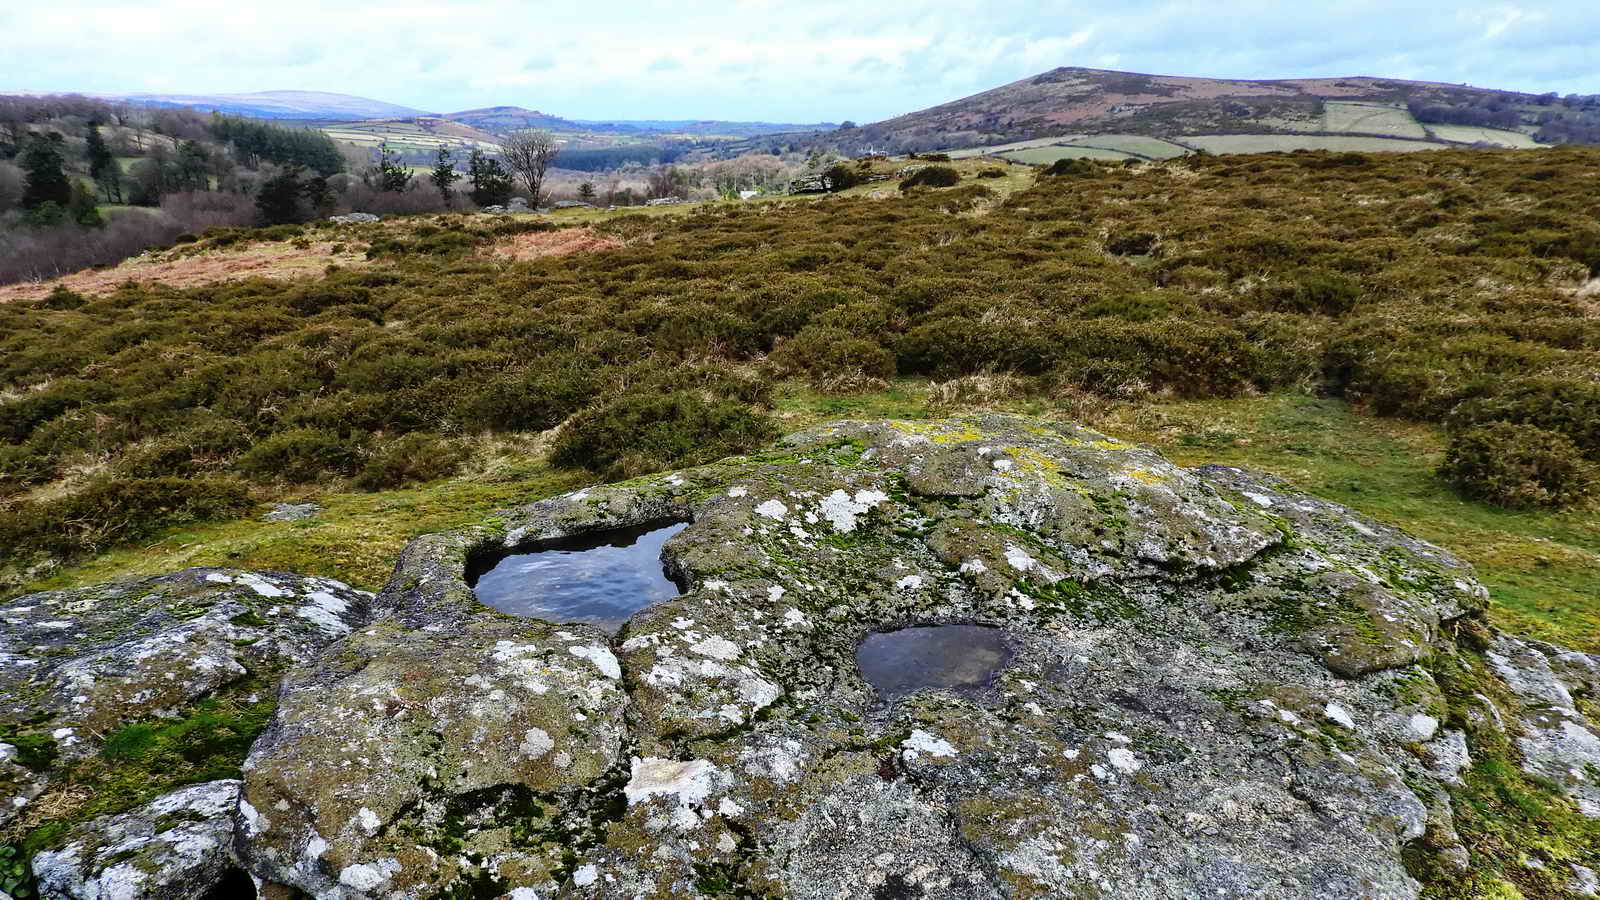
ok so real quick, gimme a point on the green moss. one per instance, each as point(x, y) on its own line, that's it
point(1505, 817)
point(143, 760)
point(34, 751)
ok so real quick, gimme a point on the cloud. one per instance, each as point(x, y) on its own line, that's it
point(771, 60)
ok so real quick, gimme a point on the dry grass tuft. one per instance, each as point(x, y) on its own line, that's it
point(182, 268)
point(543, 244)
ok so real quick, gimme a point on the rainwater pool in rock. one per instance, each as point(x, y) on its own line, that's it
point(961, 658)
point(600, 578)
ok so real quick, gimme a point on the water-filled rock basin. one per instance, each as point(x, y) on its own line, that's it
point(960, 658)
point(600, 578)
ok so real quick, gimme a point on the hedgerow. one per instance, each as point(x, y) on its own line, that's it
point(1440, 287)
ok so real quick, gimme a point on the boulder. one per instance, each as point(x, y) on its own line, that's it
point(177, 846)
point(1206, 684)
point(77, 664)
point(405, 759)
point(355, 218)
point(1214, 686)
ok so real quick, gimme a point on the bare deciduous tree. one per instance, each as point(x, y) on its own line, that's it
point(529, 154)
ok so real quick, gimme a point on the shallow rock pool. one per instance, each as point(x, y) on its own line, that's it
point(961, 658)
point(600, 578)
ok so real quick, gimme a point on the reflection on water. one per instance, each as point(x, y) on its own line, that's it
point(961, 658)
point(600, 578)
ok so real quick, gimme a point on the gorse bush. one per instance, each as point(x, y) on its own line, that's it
point(1447, 295)
point(931, 176)
point(1518, 465)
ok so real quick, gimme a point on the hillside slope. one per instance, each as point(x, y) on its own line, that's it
point(1077, 101)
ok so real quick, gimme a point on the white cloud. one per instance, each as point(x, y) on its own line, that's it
point(762, 59)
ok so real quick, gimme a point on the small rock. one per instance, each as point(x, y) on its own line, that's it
point(291, 512)
point(177, 845)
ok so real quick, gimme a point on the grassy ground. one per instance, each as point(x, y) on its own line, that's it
point(1371, 118)
point(1267, 143)
point(1542, 568)
point(1472, 134)
point(1043, 156)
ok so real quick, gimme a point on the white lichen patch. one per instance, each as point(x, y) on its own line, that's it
point(689, 783)
point(843, 511)
point(1019, 559)
point(603, 659)
point(369, 876)
point(536, 742)
point(717, 648)
point(1123, 760)
point(923, 742)
point(773, 509)
point(1339, 714)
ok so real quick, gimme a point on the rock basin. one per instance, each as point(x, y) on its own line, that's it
point(600, 578)
point(960, 658)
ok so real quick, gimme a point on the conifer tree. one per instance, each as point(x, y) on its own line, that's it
point(46, 182)
point(99, 155)
point(82, 207)
point(278, 201)
point(444, 173)
point(491, 183)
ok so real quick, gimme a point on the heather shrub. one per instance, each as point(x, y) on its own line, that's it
point(1566, 406)
point(532, 399)
point(827, 355)
point(1518, 465)
point(108, 511)
point(641, 433)
point(301, 455)
point(410, 458)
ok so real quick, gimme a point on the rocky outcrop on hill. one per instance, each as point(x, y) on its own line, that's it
point(1210, 685)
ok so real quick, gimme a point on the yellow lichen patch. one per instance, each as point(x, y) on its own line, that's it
point(940, 432)
point(1146, 476)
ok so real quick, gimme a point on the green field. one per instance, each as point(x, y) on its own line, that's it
point(1472, 134)
point(1043, 156)
point(1134, 144)
point(1000, 149)
point(1370, 118)
point(1268, 143)
point(401, 136)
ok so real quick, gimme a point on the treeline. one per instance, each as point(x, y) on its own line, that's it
point(1573, 119)
point(606, 159)
point(257, 142)
point(1490, 115)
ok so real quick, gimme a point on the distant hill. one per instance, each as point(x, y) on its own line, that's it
point(275, 104)
point(506, 119)
point(1080, 104)
point(705, 127)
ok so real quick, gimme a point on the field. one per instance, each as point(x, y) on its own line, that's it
point(1329, 317)
point(1473, 134)
point(1043, 156)
point(1370, 118)
point(407, 136)
point(1268, 143)
point(1044, 151)
point(998, 149)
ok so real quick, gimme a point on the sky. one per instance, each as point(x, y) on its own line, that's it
point(756, 60)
